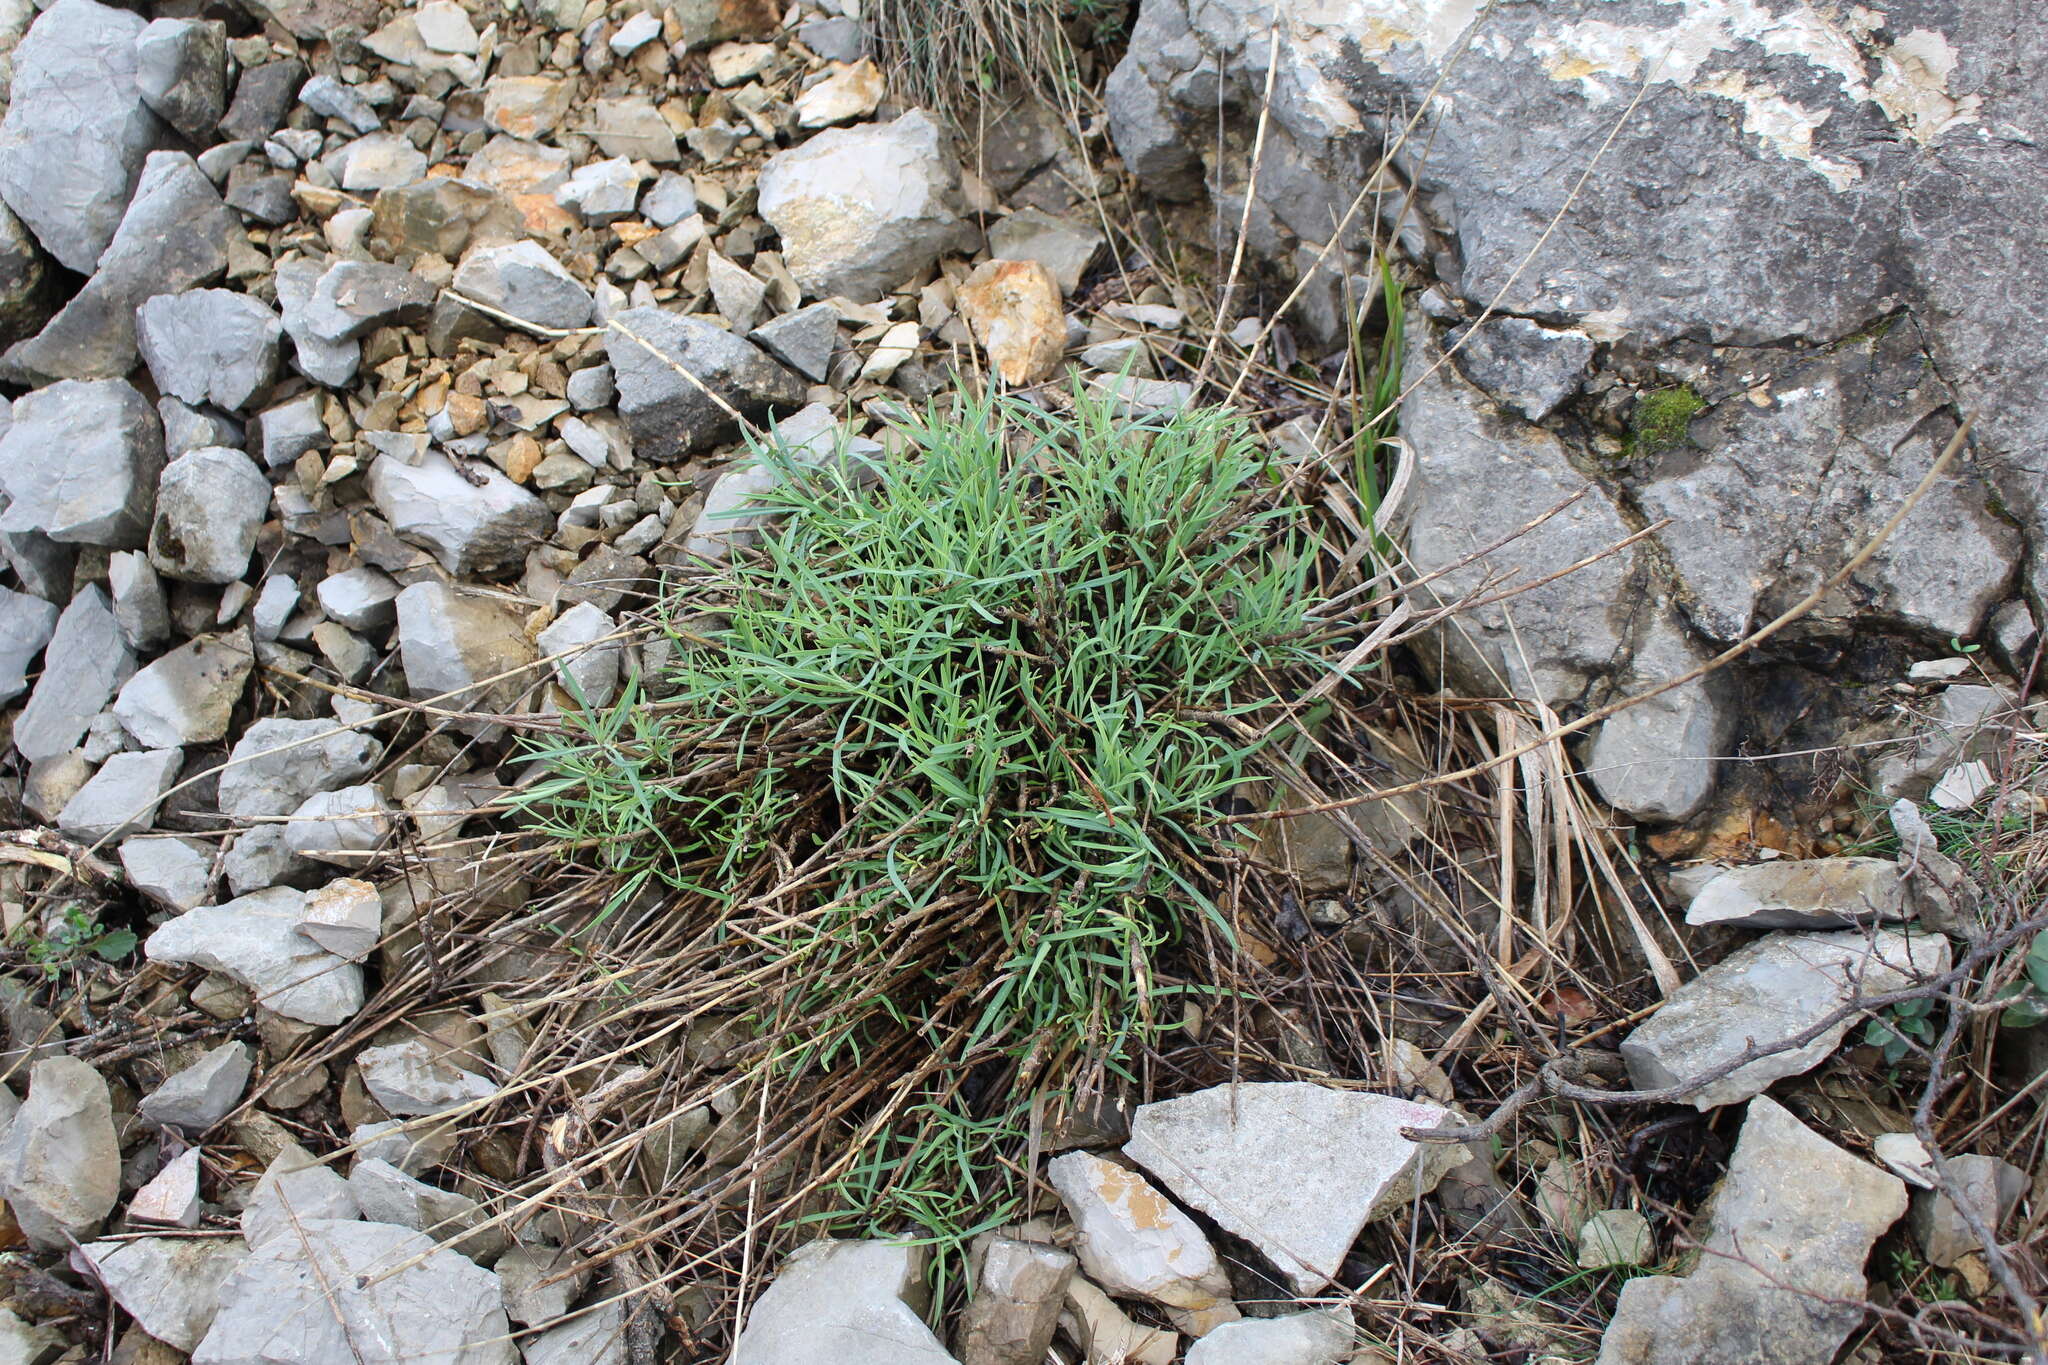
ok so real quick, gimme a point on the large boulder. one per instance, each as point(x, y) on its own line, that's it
point(77, 129)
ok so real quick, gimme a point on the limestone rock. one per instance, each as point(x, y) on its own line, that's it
point(1525, 365)
point(473, 520)
point(340, 826)
point(841, 1301)
point(1616, 1237)
point(802, 340)
point(278, 763)
point(540, 1282)
point(413, 1078)
point(1015, 1309)
point(386, 1194)
point(181, 73)
point(85, 661)
point(1296, 1169)
point(294, 1187)
point(852, 92)
point(1065, 247)
point(1792, 1226)
point(523, 281)
point(187, 696)
point(1993, 1189)
point(1133, 1241)
point(457, 647)
point(76, 130)
point(589, 671)
point(171, 1197)
point(308, 1299)
point(1106, 1333)
point(26, 624)
point(353, 298)
point(1317, 1337)
point(346, 917)
point(121, 798)
point(1775, 987)
point(209, 345)
point(668, 416)
point(202, 1094)
point(60, 1164)
point(596, 1336)
point(861, 210)
point(1812, 893)
point(169, 1285)
point(80, 464)
point(256, 940)
point(171, 872)
point(1014, 309)
point(173, 236)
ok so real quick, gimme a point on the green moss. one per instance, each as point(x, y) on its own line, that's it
point(1660, 417)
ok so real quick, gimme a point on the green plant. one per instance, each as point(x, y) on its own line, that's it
point(1659, 419)
point(1375, 395)
point(2026, 1000)
point(1895, 1031)
point(996, 693)
point(74, 936)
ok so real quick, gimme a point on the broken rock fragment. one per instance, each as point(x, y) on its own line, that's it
point(668, 415)
point(256, 940)
point(842, 1301)
point(1295, 1169)
point(1770, 990)
point(169, 1285)
point(60, 1163)
point(80, 464)
point(1810, 893)
point(1132, 1240)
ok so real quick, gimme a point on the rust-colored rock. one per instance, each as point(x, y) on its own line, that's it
point(1014, 309)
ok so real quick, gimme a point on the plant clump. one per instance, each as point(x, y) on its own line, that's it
point(1659, 419)
point(981, 702)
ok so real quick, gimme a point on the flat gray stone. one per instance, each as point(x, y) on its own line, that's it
point(122, 797)
point(841, 1301)
point(668, 416)
point(188, 695)
point(1061, 245)
point(1522, 364)
point(86, 660)
point(596, 1336)
point(209, 346)
point(169, 1285)
point(860, 210)
point(80, 464)
point(256, 940)
point(60, 1164)
point(174, 235)
point(310, 1298)
point(354, 298)
point(1133, 1242)
point(413, 1078)
point(1781, 1277)
point(526, 283)
point(172, 872)
point(1991, 1187)
point(278, 763)
point(802, 340)
point(1319, 1337)
point(343, 826)
point(203, 1093)
point(385, 1194)
point(1809, 893)
point(1295, 1169)
point(589, 671)
point(332, 363)
point(470, 527)
point(1771, 989)
point(76, 130)
point(26, 624)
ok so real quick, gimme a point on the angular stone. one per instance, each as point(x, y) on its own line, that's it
point(527, 106)
point(1616, 1237)
point(202, 1094)
point(28, 1342)
point(381, 161)
point(600, 192)
point(344, 826)
point(256, 940)
point(60, 1163)
point(634, 129)
point(588, 670)
point(187, 696)
point(354, 298)
point(278, 763)
point(1774, 988)
point(1295, 1169)
point(1991, 1187)
point(1106, 1333)
point(85, 661)
point(1318, 1337)
point(473, 521)
point(80, 464)
point(1133, 1241)
point(122, 797)
point(668, 416)
point(26, 300)
point(171, 872)
point(329, 98)
point(1812, 893)
point(540, 1282)
point(526, 283)
point(294, 1188)
point(181, 72)
point(516, 166)
point(594, 1337)
point(740, 297)
point(802, 340)
point(346, 917)
point(413, 1078)
point(1015, 1309)
point(263, 95)
point(26, 624)
point(851, 93)
point(442, 215)
point(1529, 367)
point(140, 607)
point(360, 598)
point(445, 27)
point(169, 1285)
point(861, 210)
point(308, 1299)
point(386, 1194)
point(174, 235)
point(1014, 309)
point(1781, 1275)
point(171, 1198)
point(76, 130)
point(1061, 245)
point(209, 346)
point(324, 362)
point(1657, 759)
point(841, 1301)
